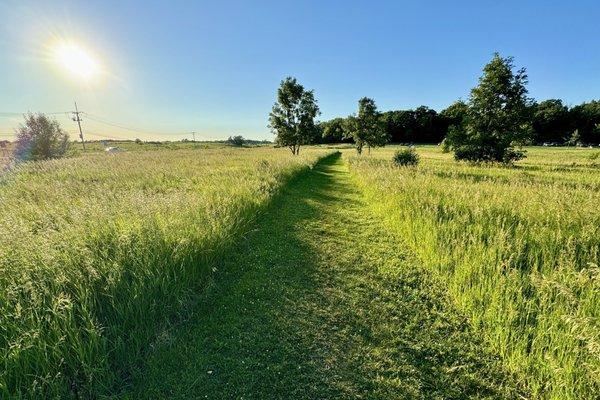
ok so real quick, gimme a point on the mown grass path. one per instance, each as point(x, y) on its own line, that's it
point(320, 302)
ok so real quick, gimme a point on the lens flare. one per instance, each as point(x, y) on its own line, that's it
point(76, 59)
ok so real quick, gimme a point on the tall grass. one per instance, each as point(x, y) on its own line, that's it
point(518, 248)
point(97, 253)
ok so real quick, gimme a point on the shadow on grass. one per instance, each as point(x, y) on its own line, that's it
point(317, 303)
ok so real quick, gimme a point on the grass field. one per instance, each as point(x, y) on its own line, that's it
point(517, 248)
point(96, 253)
point(96, 147)
point(321, 302)
point(218, 272)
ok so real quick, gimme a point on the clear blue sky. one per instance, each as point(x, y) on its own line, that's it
point(214, 66)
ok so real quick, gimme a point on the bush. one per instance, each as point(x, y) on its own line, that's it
point(406, 157)
point(476, 154)
point(446, 146)
point(40, 138)
point(237, 141)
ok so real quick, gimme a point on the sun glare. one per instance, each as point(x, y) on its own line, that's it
point(77, 60)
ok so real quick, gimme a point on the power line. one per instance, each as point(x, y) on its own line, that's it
point(19, 114)
point(117, 125)
point(101, 135)
point(76, 116)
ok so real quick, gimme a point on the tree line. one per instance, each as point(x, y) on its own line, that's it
point(551, 121)
point(497, 116)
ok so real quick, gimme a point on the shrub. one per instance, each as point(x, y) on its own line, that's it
point(40, 138)
point(406, 157)
point(475, 153)
point(237, 141)
point(446, 146)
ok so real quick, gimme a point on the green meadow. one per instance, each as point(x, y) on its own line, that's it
point(221, 272)
point(98, 252)
point(517, 248)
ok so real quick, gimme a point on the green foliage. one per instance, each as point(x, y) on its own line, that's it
point(40, 138)
point(456, 113)
point(98, 253)
point(406, 157)
point(496, 117)
point(366, 128)
point(517, 250)
point(477, 153)
point(550, 121)
point(586, 119)
point(445, 146)
point(237, 141)
point(333, 131)
point(292, 117)
point(574, 139)
point(422, 125)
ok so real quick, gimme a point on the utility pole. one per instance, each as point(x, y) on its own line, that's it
point(194, 136)
point(77, 119)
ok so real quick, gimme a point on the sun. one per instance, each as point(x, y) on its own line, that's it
point(76, 60)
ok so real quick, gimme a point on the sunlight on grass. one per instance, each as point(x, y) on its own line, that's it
point(97, 252)
point(517, 248)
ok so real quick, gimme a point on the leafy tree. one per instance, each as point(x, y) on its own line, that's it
point(423, 125)
point(585, 118)
point(293, 115)
point(400, 125)
point(496, 118)
point(550, 121)
point(454, 116)
point(237, 140)
point(455, 113)
point(333, 131)
point(39, 138)
point(429, 126)
point(367, 127)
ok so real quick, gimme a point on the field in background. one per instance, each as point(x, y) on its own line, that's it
point(518, 248)
point(97, 252)
point(96, 147)
point(130, 145)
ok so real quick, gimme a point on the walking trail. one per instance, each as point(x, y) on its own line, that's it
point(321, 302)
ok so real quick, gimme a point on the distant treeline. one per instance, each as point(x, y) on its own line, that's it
point(551, 122)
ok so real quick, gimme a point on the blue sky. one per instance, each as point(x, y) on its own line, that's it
point(214, 66)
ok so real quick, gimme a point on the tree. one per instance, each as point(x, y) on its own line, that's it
point(333, 131)
point(455, 113)
point(367, 127)
point(496, 118)
point(430, 127)
point(585, 118)
point(292, 119)
point(550, 121)
point(237, 140)
point(454, 117)
point(39, 138)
